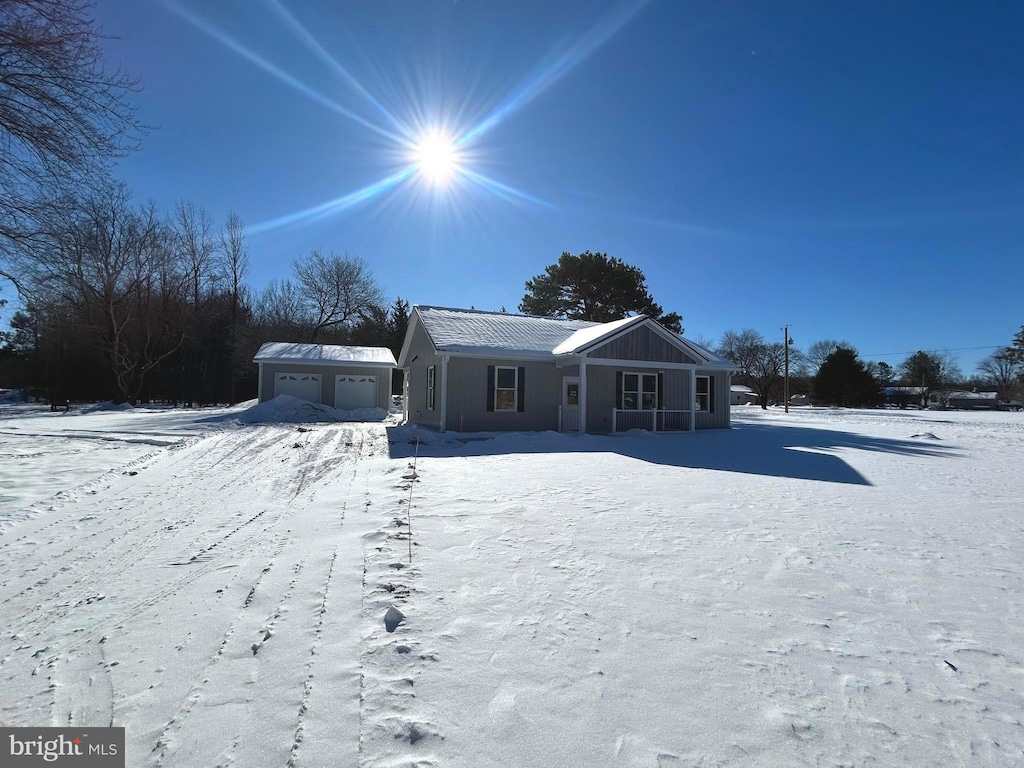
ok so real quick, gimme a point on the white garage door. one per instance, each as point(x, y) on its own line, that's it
point(302, 385)
point(351, 392)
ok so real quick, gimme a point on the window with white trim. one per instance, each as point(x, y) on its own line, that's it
point(703, 393)
point(639, 391)
point(430, 388)
point(506, 388)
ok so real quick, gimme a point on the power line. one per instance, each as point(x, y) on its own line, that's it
point(956, 349)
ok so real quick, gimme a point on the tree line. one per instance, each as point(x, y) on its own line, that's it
point(833, 373)
point(132, 304)
point(120, 300)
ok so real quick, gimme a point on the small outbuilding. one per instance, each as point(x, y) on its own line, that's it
point(741, 395)
point(346, 378)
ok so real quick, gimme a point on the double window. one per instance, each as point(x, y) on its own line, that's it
point(430, 388)
point(639, 391)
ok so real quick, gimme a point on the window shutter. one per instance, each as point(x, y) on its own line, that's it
point(711, 394)
point(490, 388)
point(522, 389)
point(661, 391)
point(618, 389)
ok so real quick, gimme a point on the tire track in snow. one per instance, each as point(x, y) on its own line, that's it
point(109, 523)
point(180, 514)
point(155, 541)
point(244, 628)
point(307, 686)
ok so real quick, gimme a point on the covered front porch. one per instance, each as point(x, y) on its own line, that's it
point(601, 395)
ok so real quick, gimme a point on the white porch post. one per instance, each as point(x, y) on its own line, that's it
point(444, 393)
point(583, 395)
point(405, 394)
point(693, 399)
point(259, 384)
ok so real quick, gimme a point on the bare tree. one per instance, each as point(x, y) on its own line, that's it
point(120, 273)
point(234, 257)
point(338, 290)
point(766, 370)
point(704, 341)
point(741, 346)
point(762, 363)
point(280, 312)
point(819, 352)
point(1003, 370)
point(195, 247)
point(235, 264)
point(63, 116)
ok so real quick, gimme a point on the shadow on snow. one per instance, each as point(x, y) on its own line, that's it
point(775, 451)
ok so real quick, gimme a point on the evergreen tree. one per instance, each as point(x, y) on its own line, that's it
point(844, 380)
point(885, 374)
point(399, 321)
point(593, 286)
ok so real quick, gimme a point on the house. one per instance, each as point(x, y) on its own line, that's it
point(799, 400)
point(741, 395)
point(472, 371)
point(346, 378)
point(964, 401)
point(901, 397)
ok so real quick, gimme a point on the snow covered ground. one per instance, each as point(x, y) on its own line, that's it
point(822, 588)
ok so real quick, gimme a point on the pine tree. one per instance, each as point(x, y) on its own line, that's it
point(593, 286)
point(844, 380)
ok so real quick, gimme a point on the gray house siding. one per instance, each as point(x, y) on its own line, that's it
point(467, 396)
point(602, 393)
point(421, 356)
point(641, 344)
point(720, 417)
point(327, 381)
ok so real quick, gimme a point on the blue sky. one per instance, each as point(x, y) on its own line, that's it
point(852, 169)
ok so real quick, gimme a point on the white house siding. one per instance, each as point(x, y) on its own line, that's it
point(327, 374)
point(420, 357)
point(467, 396)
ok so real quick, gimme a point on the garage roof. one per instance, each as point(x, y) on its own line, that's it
point(324, 354)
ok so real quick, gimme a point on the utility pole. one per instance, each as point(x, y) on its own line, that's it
point(786, 387)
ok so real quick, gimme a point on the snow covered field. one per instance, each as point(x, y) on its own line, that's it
point(822, 588)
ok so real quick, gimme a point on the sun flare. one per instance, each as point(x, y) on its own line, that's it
point(437, 159)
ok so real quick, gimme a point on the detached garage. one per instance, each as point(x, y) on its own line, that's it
point(346, 378)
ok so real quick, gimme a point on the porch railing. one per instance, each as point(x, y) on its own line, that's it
point(568, 418)
point(652, 420)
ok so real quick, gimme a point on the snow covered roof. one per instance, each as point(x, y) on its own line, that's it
point(584, 337)
point(470, 331)
point(740, 388)
point(474, 331)
point(964, 395)
point(324, 354)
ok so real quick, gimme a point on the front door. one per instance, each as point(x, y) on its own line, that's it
point(571, 391)
point(569, 413)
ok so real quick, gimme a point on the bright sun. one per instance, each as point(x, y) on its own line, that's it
point(437, 159)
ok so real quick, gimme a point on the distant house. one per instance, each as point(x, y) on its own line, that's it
point(346, 378)
point(964, 401)
point(799, 400)
point(473, 371)
point(741, 395)
point(901, 397)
